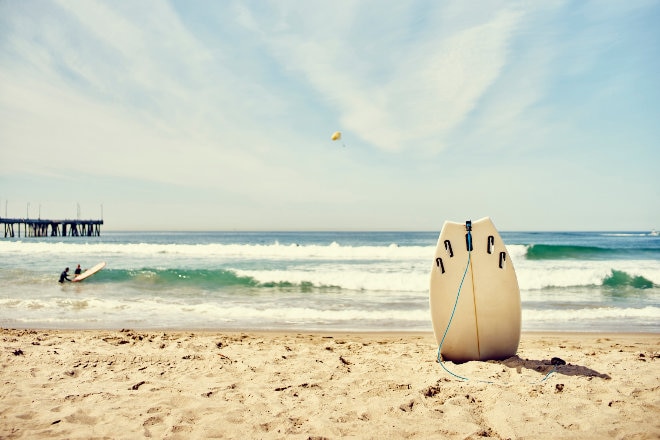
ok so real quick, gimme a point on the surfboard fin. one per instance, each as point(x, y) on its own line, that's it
point(448, 248)
point(438, 261)
point(502, 259)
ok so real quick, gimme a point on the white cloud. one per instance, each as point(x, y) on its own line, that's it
point(237, 102)
point(410, 93)
point(137, 73)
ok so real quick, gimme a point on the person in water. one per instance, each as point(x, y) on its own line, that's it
point(64, 275)
point(78, 270)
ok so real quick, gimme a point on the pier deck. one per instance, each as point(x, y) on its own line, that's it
point(50, 228)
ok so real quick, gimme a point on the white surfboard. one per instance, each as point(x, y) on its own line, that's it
point(486, 322)
point(89, 272)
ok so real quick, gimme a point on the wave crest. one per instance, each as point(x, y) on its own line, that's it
point(620, 278)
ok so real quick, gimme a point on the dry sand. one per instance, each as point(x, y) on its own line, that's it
point(155, 384)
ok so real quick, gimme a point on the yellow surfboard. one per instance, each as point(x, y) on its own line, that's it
point(486, 318)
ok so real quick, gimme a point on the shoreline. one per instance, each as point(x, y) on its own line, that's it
point(366, 332)
point(297, 384)
point(313, 332)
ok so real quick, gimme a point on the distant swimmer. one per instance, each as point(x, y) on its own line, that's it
point(64, 275)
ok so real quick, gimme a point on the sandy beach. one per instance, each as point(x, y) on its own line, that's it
point(178, 384)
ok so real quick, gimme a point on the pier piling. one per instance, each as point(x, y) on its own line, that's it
point(51, 228)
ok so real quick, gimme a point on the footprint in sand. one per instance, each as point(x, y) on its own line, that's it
point(81, 417)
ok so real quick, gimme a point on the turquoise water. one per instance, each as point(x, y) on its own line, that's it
point(368, 281)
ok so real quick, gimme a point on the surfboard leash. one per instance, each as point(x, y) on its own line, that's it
point(555, 362)
point(441, 361)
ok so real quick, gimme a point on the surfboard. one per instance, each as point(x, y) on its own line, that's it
point(89, 272)
point(486, 318)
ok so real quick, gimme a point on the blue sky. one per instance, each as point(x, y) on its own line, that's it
point(218, 115)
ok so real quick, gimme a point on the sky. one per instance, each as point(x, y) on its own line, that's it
point(205, 115)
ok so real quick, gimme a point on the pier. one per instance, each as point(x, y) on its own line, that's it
point(50, 228)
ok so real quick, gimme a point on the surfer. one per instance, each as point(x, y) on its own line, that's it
point(64, 275)
point(78, 270)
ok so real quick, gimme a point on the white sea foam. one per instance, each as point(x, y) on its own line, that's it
point(161, 312)
point(239, 251)
point(347, 285)
point(595, 313)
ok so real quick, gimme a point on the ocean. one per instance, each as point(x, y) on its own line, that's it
point(316, 281)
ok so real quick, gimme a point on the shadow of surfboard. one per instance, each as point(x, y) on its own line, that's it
point(545, 366)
